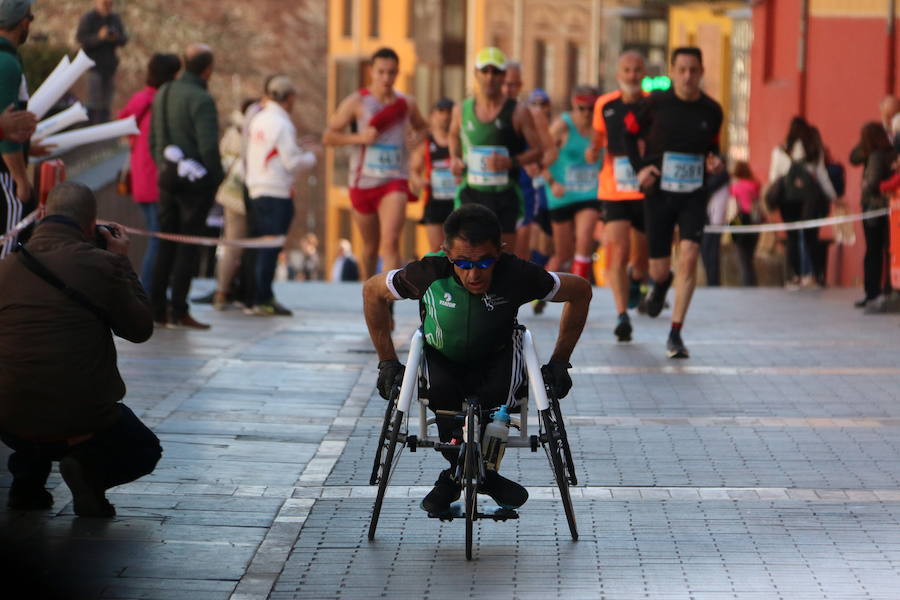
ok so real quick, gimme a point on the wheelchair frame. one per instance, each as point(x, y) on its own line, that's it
point(470, 470)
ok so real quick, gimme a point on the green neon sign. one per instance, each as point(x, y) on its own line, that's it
point(660, 82)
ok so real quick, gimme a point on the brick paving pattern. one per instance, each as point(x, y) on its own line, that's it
point(764, 467)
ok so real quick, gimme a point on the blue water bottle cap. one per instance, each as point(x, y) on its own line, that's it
point(501, 414)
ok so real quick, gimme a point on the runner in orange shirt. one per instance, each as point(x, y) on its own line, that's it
point(623, 203)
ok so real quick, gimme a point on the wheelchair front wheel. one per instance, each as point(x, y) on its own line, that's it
point(564, 438)
point(470, 476)
point(382, 438)
point(553, 445)
point(384, 469)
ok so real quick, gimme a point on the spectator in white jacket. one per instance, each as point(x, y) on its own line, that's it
point(273, 160)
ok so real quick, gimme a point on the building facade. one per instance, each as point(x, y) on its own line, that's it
point(832, 62)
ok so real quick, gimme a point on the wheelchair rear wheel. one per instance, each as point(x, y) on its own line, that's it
point(383, 469)
point(553, 441)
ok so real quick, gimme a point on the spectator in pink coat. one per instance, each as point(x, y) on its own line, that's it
point(144, 190)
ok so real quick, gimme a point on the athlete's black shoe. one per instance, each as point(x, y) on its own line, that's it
point(623, 328)
point(445, 492)
point(656, 297)
point(505, 492)
point(675, 348)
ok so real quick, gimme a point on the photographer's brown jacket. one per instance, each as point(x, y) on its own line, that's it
point(58, 372)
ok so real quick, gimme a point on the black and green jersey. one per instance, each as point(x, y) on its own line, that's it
point(467, 327)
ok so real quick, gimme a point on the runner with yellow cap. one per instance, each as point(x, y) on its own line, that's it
point(486, 144)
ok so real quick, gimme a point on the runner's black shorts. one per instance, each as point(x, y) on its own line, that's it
point(436, 212)
point(568, 212)
point(663, 211)
point(625, 210)
point(506, 204)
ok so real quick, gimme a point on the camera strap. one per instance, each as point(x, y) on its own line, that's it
point(36, 267)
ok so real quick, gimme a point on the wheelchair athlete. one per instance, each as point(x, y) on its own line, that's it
point(469, 301)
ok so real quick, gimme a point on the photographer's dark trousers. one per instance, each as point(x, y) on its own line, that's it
point(176, 263)
point(124, 452)
point(495, 380)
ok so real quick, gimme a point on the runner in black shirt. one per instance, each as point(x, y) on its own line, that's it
point(680, 130)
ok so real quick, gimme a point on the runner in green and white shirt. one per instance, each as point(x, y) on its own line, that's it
point(487, 132)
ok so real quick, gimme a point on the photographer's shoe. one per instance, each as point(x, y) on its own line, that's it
point(186, 321)
point(28, 497)
point(88, 497)
point(505, 492)
point(445, 492)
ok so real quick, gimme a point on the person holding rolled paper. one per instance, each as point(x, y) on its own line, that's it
point(100, 33)
point(16, 125)
point(15, 188)
point(184, 144)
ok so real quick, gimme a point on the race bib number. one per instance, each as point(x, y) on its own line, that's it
point(626, 178)
point(382, 161)
point(477, 172)
point(681, 172)
point(581, 178)
point(443, 183)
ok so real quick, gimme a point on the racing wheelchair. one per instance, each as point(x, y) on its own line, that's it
point(469, 473)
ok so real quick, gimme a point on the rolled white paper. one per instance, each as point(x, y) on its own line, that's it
point(89, 135)
point(52, 90)
point(72, 115)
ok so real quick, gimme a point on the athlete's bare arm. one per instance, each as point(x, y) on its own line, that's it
point(558, 134)
point(345, 114)
point(455, 143)
point(417, 168)
point(523, 123)
point(416, 120)
point(551, 150)
point(598, 142)
point(576, 292)
point(377, 298)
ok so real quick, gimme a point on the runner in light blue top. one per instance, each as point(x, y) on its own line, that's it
point(573, 204)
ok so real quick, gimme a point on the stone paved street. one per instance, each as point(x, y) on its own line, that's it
point(766, 466)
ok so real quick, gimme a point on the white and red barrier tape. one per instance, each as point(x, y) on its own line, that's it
point(266, 241)
point(277, 241)
point(808, 224)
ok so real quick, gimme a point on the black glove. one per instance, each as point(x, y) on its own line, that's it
point(556, 375)
point(390, 374)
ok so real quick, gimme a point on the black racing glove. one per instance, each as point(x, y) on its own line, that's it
point(556, 375)
point(390, 374)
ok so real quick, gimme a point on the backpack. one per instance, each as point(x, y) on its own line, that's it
point(800, 188)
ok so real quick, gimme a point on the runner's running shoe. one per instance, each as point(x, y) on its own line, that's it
point(675, 348)
point(656, 298)
point(623, 328)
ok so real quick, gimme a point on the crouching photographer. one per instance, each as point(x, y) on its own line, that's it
point(61, 299)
